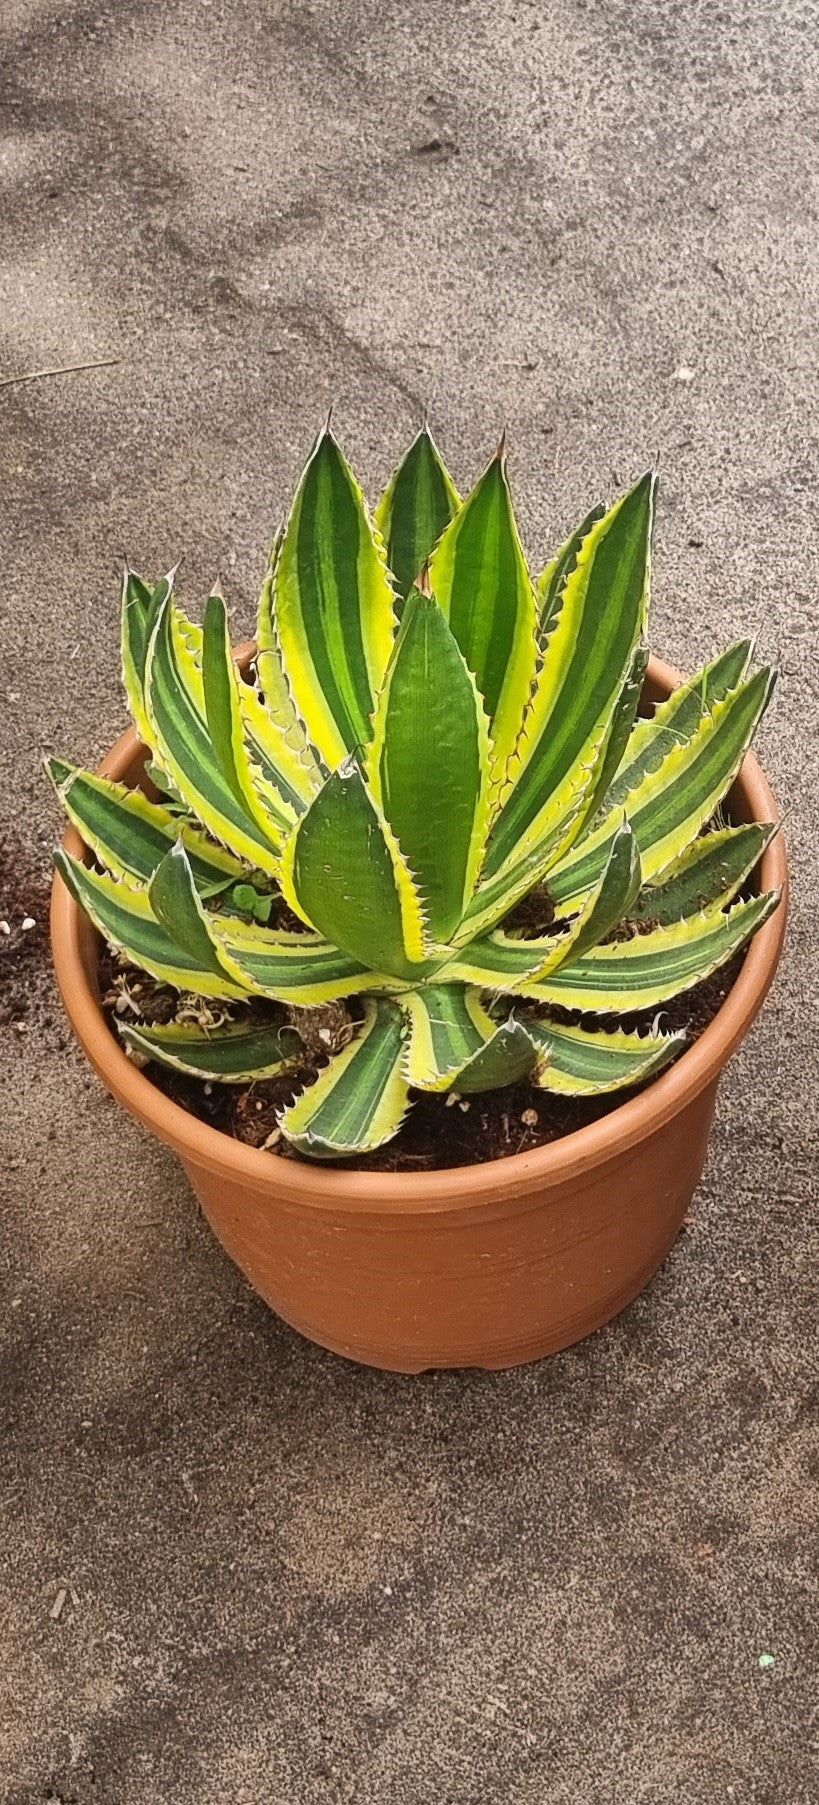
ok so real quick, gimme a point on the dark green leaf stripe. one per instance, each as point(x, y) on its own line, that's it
point(496, 897)
point(129, 834)
point(479, 576)
point(604, 606)
point(358, 1102)
point(141, 603)
point(456, 1032)
point(429, 763)
point(609, 902)
point(334, 607)
point(551, 582)
point(219, 683)
point(622, 723)
point(712, 870)
point(170, 796)
point(172, 896)
point(295, 968)
point(293, 795)
point(329, 519)
point(278, 735)
point(125, 918)
point(455, 1045)
point(139, 595)
point(581, 1062)
point(677, 719)
point(224, 720)
point(418, 503)
point(345, 878)
point(137, 607)
point(612, 897)
point(645, 971)
point(180, 737)
point(448, 1025)
point(231, 1054)
point(496, 962)
point(604, 908)
point(509, 1056)
point(673, 801)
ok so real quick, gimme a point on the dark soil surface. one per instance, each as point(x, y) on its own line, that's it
point(533, 915)
point(439, 1131)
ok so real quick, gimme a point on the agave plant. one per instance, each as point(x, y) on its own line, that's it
point(424, 737)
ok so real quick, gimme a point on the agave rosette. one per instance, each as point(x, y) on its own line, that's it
point(427, 735)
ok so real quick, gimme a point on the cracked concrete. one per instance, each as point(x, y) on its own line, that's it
point(294, 1580)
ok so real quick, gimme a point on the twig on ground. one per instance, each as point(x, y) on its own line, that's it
point(99, 363)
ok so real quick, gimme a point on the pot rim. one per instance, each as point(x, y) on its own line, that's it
point(555, 1164)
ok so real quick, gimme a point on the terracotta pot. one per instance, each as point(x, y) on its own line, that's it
point(490, 1265)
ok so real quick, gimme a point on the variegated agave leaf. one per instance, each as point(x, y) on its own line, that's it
point(426, 735)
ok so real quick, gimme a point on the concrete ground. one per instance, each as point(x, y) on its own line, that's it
point(283, 1578)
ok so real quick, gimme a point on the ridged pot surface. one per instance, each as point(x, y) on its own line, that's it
point(489, 1265)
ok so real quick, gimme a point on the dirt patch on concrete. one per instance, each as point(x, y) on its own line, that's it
point(25, 894)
